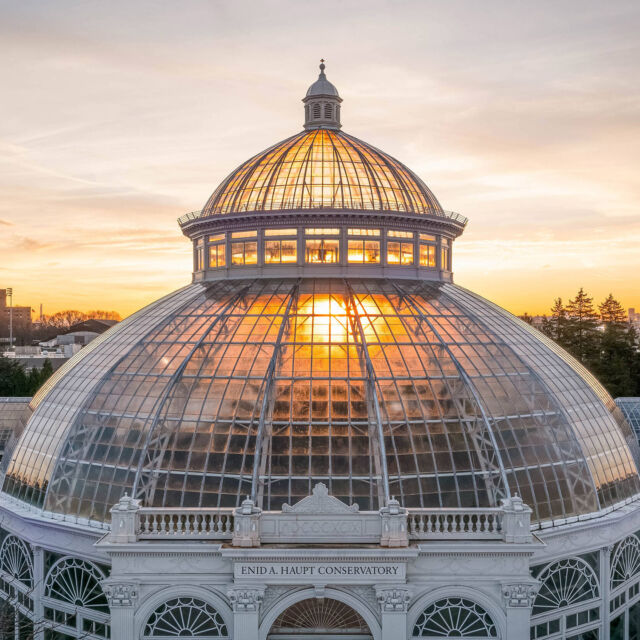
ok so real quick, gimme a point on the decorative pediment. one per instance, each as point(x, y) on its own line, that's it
point(320, 502)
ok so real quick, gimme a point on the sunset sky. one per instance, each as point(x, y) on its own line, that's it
point(118, 117)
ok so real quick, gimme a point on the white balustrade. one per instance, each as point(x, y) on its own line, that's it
point(321, 518)
point(198, 524)
point(455, 524)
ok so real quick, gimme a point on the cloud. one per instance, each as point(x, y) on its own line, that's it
point(6, 223)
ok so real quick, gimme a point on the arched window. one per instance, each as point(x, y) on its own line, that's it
point(328, 110)
point(15, 560)
point(185, 618)
point(78, 583)
point(625, 563)
point(565, 583)
point(321, 618)
point(455, 618)
point(316, 111)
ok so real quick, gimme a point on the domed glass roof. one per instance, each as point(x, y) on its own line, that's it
point(421, 390)
point(322, 169)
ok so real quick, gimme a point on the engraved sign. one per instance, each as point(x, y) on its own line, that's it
point(329, 572)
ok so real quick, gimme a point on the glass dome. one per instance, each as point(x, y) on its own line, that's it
point(322, 169)
point(264, 387)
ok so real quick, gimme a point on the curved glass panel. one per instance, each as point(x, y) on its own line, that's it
point(265, 387)
point(322, 169)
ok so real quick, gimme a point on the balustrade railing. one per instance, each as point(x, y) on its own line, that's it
point(199, 524)
point(455, 524)
point(321, 519)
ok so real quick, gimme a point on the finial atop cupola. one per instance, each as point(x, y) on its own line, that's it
point(322, 104)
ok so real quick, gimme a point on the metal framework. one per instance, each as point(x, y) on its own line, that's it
point(455, 617)
point(322, 169)
point(188, 618)
point(269, 386)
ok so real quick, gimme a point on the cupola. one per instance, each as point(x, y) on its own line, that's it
point(322, 104)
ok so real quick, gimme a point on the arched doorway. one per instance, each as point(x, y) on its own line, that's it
point(319, 619)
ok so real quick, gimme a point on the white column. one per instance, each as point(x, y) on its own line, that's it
point(394, 601)
point(122, 599)
point(38, 591)
point(246, 609)
point(605, 584)
point(518, 599)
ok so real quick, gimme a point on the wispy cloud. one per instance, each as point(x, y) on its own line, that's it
point(121, 117)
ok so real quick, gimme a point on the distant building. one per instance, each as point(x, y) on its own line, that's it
point(61, 347)
point(20, 318)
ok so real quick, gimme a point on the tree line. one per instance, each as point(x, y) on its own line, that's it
point(601, 338)
point(16, 381)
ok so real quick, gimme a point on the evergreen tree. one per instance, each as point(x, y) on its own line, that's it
point(612, 312)
point(13, 379)
point(582, 336)
point(555, 326)
point(618, 350)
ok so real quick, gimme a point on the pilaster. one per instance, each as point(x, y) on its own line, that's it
point(38, 591)
point(394, 603)
point(246, 603)
point(605, 586)
point(122, 598)
point(518, 599)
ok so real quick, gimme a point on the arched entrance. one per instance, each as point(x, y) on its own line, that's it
point(319, 619)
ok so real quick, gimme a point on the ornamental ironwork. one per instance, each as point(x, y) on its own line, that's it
point(625, 563)
point(455, 618)
point(78, 583)
point(185, 618)
point(15, 560)
point(565, 583)
point(322, 616)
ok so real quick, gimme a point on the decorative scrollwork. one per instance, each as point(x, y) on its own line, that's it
point(78, 583)
point(625, 563)
point(15, 560)
point(564, 583)
point(326, 613)
point(455, 618)
point(185, 618)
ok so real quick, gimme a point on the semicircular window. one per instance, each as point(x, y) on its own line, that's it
point(455, 618)
point(185, 618)
point(15, 560)
point(625, 563)
point(322, 618)
point(78, 583)
point(565, 583)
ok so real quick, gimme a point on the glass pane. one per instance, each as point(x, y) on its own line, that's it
point(244, 234)
point(251, 253)
point(427, 255)
point(271, 251)
point(356, 251)
point(322, 251)
point(237, 253)
point(393, 253)
point(407, 253)
point(289, 251)
point(372, 251)
point(269, 233)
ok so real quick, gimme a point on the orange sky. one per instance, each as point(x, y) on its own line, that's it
point(119, 117)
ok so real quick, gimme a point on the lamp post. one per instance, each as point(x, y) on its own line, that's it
point(10, 296)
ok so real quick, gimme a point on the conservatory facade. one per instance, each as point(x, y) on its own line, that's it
point(320, 437)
